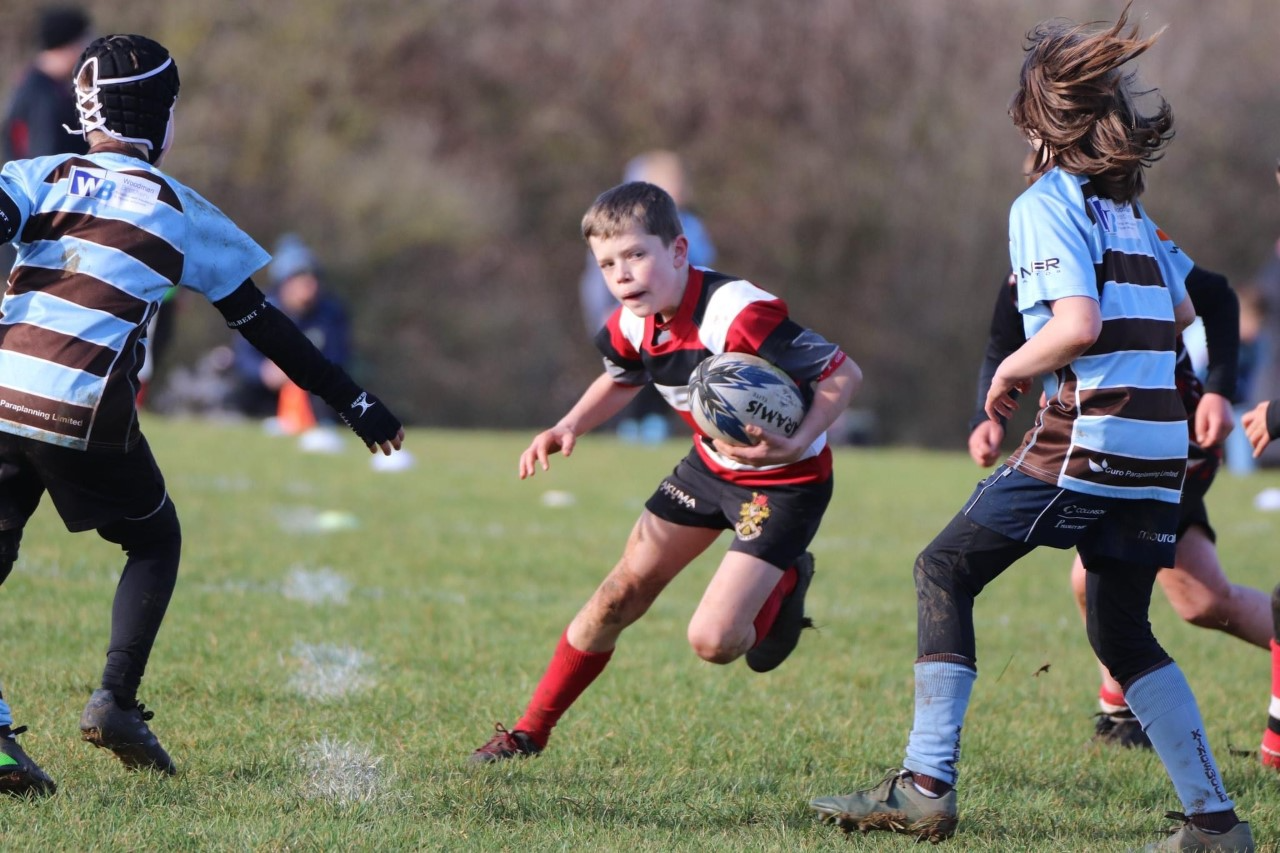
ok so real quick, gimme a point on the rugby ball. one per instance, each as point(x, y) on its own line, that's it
point(731, 390)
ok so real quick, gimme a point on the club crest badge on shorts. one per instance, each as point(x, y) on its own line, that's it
point(752, 516)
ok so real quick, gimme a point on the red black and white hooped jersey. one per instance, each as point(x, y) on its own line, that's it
point(720, 313)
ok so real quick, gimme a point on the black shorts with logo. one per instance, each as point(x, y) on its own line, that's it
point(773, 523)
point(89, 489)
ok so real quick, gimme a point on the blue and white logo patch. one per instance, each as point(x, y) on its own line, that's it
point(117, 189)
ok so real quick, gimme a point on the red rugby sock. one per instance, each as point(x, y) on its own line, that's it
point(569, 673)
point(1108, 700)
point(1271, 735)
point(769, 612)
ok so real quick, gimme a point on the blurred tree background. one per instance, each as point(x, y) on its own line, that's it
point(854, 156)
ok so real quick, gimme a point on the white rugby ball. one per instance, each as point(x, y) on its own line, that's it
point(731, 390)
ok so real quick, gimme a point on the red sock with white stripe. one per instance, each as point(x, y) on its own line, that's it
point(1270, 752)
point(769, 612)
point(1111, 703)
point(570, 672)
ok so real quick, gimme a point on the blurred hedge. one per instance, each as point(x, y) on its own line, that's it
point(854, 156)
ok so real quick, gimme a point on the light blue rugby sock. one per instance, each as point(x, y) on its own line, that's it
point(1166, 707)
point(942, 697)
point(6, 715)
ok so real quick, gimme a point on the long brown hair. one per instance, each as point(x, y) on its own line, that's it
point(1073, 97)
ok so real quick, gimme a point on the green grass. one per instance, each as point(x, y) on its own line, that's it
point(460, 582)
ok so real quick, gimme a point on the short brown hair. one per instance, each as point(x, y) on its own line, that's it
point(633, 203)
point(1073, 97)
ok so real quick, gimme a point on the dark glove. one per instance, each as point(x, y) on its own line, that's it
point(370, 419)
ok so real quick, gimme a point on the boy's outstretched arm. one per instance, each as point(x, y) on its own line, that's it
point(603, 399)
point(275, 336)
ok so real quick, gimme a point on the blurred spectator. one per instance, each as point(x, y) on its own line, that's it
point(647, 418)
point(44, 100)
point(297, 291)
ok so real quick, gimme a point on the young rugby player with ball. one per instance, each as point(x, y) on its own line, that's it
point(771, 494)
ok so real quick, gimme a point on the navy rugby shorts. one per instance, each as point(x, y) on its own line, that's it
point(88, 488)
point(1038, 513)
point(773, 523)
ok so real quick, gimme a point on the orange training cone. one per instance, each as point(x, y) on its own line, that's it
point(294, 410)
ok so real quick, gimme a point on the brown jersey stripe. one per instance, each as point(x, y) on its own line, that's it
point(81, 289)
point(53, 415)
point(137, 243)
point(1128, 333)
point(117, 405)
point(66, 350)
point(63, 172)
point(1142, 404)
point(1126, 268)
point(1112, 469)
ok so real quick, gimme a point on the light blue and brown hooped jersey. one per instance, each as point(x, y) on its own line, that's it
point(1114, 424)
point(101, 239)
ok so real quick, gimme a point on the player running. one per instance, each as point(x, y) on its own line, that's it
point(101, 238)
point(772, 494)
point(1196, 586)
point(1104, 299)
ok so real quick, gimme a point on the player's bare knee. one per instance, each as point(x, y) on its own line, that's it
point(713, 646)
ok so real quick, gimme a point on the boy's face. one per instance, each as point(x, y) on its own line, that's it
point(647, 277)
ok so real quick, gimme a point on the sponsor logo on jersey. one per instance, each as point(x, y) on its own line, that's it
point(1099, 467)
point(1152, 536)
point(1114, 219)
point(1048, 266)
point(116, 189)
point(752, 516)
point(90, 183)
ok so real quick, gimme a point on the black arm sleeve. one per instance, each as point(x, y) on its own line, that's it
point(275, 336)
point(1219, 309)
point(10, 218)
point(1005, 336)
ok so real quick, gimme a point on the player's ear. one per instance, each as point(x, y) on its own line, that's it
point(679, 250)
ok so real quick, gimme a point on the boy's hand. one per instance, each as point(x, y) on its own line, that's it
point(557, 439)
point(1213, 420)
point(370, 419)
point(1002, 399)
point(984, 443)
point(1255, 427)
point(769, 449)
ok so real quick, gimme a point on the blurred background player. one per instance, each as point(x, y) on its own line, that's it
point(772, 494)
point(71, 324)
point(647, 418)
point(42, 106)
point(1262, 426)
point(263, 389)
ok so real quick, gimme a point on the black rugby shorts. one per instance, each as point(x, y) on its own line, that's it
point(773, 523)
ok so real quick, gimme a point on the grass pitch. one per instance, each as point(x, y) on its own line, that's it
point(342, 638)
